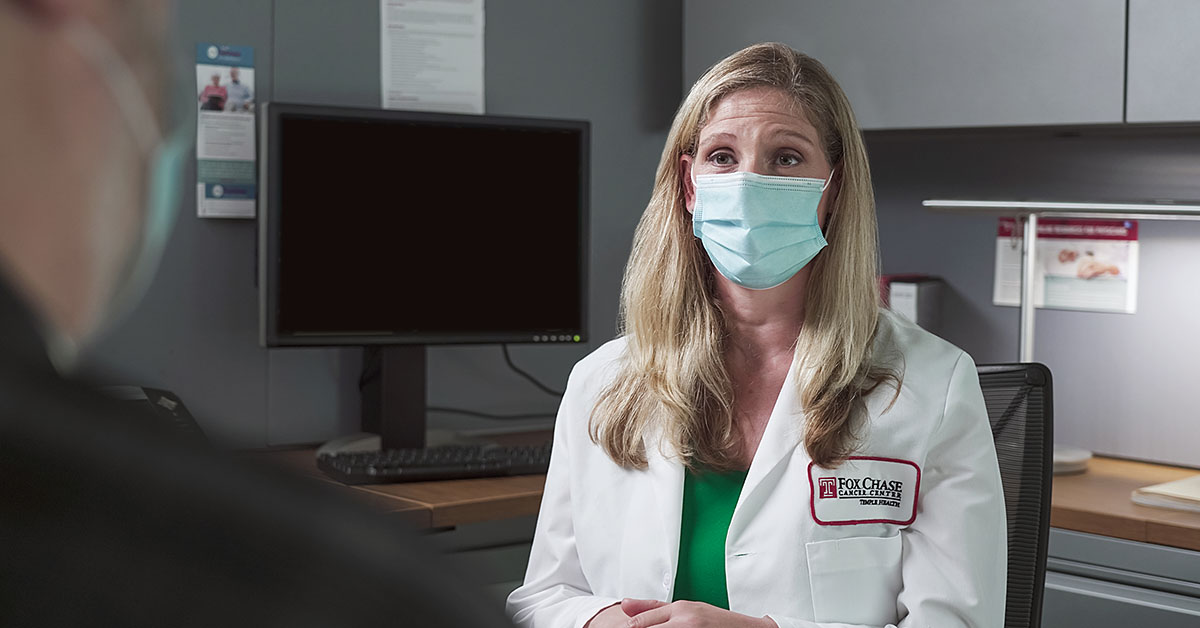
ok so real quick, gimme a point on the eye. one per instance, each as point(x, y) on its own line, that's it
point(721, 158)
point(789, 159)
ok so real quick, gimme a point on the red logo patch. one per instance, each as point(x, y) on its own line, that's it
point(827, 487)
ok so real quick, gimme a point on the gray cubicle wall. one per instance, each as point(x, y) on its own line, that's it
point(614, 63)
point(1123, 383)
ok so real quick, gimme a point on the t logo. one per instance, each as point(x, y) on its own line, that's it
point(827, 487)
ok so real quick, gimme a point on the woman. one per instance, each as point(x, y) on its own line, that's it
point(763, 446)
point(212, 97)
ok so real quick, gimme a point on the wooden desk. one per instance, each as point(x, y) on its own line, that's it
point(1098, 502)
point(455, 502)
point(431, 504)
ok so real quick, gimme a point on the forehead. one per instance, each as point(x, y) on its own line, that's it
point(758, 106)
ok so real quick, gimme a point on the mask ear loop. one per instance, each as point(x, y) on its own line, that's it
point(829, 215)
point(139, 115)
point(695, 195)
point(141, 120)
point(829, 180)
point(696, 240)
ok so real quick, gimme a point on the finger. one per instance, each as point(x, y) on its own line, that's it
point(633, 607)
point(652, 617)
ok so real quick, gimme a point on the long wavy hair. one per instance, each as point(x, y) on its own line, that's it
point(674, 376)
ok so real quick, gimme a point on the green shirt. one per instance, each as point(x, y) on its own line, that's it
point(708, 502)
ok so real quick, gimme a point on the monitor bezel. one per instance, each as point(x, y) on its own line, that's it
point(268, 239)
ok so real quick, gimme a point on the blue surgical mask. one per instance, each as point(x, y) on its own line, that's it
point(164, 156)
point(758, 230)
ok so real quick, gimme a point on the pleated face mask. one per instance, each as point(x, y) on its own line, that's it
point(758, 230)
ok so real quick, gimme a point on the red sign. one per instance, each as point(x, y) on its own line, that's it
point(827, 488)
point(1072, 229)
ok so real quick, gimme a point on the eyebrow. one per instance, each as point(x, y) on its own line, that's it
point(797, 135)
point(722, 136)
point(714, 138)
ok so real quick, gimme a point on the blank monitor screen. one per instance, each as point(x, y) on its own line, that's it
point(424, 228)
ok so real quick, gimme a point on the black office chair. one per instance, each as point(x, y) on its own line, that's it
point(1020, 407)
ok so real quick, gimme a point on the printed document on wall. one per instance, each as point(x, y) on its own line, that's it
point(1089, 265)
point(226, 179)
point(431, 55)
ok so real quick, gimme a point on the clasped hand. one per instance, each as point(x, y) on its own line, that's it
point(646, 613)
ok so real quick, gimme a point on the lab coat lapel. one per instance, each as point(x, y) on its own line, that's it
point(665, 470)
point(666, 475)
point(780, 438)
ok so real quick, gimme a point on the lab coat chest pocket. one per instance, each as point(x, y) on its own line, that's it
point(855, 580)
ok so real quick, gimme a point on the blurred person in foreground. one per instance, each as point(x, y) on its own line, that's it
point(106, 519)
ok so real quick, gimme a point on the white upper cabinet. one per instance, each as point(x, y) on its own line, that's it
point(944, 63)
point(1164, 61)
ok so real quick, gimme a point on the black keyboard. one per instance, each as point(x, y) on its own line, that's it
point(451, 462)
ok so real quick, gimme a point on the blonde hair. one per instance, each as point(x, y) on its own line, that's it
point(674, 374)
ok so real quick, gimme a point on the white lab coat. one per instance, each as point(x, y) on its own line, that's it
point(605, 533)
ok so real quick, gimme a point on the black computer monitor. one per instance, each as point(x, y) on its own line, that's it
point(399, 229)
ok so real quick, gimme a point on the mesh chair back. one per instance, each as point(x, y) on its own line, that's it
point(1021, 410)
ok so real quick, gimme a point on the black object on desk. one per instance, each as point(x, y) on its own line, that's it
point(451, 462)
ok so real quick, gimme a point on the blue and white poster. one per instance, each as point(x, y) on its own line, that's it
point(226, 177)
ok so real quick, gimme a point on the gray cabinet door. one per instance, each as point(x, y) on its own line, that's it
point(1073, 601)
point(1164, 61)
point(938, 63)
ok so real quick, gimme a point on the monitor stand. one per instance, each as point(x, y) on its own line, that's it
point(393, 403)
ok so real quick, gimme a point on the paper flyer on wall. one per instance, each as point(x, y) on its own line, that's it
point(1089, 265)
point(431, 55)
point(226, 178)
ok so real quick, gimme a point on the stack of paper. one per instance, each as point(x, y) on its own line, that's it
point(1181, 494)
